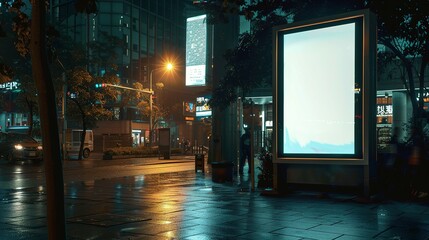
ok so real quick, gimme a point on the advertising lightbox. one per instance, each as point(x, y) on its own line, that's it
point(319, 89)
point(203, 109)
point(196, 49)
point(189, 108)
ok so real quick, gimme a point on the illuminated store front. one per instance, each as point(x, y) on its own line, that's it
point(10, 116)
point(394, 110)
point(384, 120)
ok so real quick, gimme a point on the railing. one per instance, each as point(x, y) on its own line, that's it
point(200, 149)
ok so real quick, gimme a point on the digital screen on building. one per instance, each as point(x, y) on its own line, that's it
point(196, 49)
point(189, 108)
point(202, 107)
point(319, 90)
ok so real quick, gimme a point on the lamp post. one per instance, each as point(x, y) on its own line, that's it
point(150, 107)
point(169, 67)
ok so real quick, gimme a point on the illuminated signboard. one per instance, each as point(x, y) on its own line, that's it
point(189, 118)
point(384, 110)
point(322, 61)
point(202, 108)
point(196, 48)
point(189, 108)
point(9, 86)
point(425, 96)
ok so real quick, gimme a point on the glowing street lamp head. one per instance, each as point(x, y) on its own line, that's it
point(169, 66)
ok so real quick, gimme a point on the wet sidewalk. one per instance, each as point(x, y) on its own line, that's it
point(188, 205)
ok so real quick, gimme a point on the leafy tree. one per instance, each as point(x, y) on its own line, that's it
point(6, 72)
point(86, 101)
point(143, 105)
point(404, 30)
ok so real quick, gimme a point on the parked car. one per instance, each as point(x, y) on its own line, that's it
point(16, 146)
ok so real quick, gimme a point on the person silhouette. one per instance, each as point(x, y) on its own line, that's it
point(245, 150)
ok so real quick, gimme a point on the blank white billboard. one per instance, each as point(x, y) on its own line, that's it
point(319, 91)
point(196, 49)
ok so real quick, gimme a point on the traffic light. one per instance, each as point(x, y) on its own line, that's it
point(100, 85)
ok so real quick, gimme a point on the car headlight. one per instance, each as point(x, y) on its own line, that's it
point(39, 148)
point(18, 147)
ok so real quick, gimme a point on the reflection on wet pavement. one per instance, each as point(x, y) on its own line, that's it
point(188, 205)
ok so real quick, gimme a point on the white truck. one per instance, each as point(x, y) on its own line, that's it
point(73, 142)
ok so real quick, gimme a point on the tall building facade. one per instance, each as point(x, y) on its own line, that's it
point(151, 32)
point(148, 28)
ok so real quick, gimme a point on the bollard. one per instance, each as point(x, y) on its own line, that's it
point(199, 162)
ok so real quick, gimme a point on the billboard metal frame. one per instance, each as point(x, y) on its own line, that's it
point(367, 158)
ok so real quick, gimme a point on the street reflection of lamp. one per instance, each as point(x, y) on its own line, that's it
point(169, 67)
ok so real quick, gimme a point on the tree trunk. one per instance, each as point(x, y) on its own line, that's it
point(422, 113)
point(49, 124)
point(422, 71)
point(82, 136)
point(82, 139)
point(409, 69)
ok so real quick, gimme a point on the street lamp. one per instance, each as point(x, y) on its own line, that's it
point(168, 67)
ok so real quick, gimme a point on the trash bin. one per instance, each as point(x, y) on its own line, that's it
point(199, 162)
point(164, 151)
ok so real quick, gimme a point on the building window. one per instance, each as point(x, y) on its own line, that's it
point(117, 7)
point(104, 19)
point(135, 25)
point(152, 6)
point(151, 29)
point(137, 2)
point(151, 46)
point(161, 7)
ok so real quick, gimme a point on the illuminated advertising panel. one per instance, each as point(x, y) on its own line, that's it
point(203, 109)
point(189, 108)
point(196, 48)
point(319, 95)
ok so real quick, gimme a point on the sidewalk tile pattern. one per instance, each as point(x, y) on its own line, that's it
point(189, 205)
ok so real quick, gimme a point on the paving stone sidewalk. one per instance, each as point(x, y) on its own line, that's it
point(188, 205)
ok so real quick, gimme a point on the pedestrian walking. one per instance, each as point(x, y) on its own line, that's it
point(245, 150)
